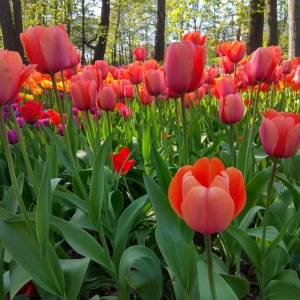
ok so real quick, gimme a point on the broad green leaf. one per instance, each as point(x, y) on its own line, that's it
point(223, 290)
point(140, 269)
point(72, 199)
point(279, 290)
point(238, 284)
point(124, 226)
point(289, 276)
point(178, 252)
point(162, 171)
point(248, 245)
point(254, 188)
point(24, 249)
point(248, 219)
point(74, 271)
point(97, 190)
point(10, 201)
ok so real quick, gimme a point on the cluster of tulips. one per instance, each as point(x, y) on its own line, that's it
point(205, 192)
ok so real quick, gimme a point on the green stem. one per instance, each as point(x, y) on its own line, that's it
point(67, 139)
point(128, 191)
point(209, 259)
point(162, 127)
point(2, 292)
point(231, 143)
point(13, 177)
point(91, 130)
point(24, 152)
point(185, 132)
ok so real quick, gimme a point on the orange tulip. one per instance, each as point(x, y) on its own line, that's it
point(207, 196)
point(235, 51)
point(48, 47)
point(195, 37)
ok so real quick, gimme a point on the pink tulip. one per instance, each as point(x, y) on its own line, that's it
point(84, 94)
point(92, 74)
point(297, 76)
point(12, 76)
point(280, 133)
point(286, 67)
point(139, 53)
point(101, 65)
point(48, 47)
point(231, 108)
point(145, 97)
point(226, 65)
point(107, 98)
point(224, 87)
point(184, 64)
point(154, 82)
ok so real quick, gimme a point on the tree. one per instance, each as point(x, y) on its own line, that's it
point(272, 23)
point(159, 47)
point(104, 26)
point(256, 25)
point(294, 28)
point(12, 26)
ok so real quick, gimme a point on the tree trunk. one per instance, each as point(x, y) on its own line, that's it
point(256, 25)
point(159, 48)
point(294, 28)
point(83, 60)
point(272, 23)
point(104, 27)
point(10, 31)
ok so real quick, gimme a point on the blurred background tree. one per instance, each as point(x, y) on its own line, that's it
point(111, 29)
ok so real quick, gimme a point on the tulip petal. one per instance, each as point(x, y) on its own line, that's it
point(205, 170)
point(292, 141)
point(6, 82)
point(175, 189)
point(237, 189)
point(207, 210)
point(269, 135)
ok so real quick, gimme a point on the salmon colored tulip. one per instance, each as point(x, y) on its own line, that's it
point(48, 47)
point(121, 162)
point(207, 196)
point(92, 74)
point(286, 67)
point(195, 37)
point(226, 65)
point(12, 76)
point(235, 51)
point(184, 64)
point(297, 76)
point(224, 87)
point(107, 98)
point(154, 82)
point(145, 97)
point(134, 74)
point(231, 108)
point(101, 65)
point(261, 65)
point(280, 133)
point(139, 53)
point(84, 94)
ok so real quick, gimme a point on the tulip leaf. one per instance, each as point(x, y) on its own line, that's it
point(74, 271)
point(178, 252)
point(279, 289)
point(140, 269)
point(248, 244)
point(97, 195)
point(223, 290)
point(125, 223)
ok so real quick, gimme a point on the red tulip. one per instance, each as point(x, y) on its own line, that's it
point(231, 108)
point(54, 116)
point(129, 91)
point(154, 82)
point(121, 163)
point(184, 64)
point(84, 94)
point(145, 97)
point(31, 111)
point(134, 74)
point(280, 133)
point(12, 76)
point(207, 196)
point(48, 47)
point(28, 289)
point(226, 65)
point(107, 98)
point(139, 53)
point(195, 37)
point(235, 51)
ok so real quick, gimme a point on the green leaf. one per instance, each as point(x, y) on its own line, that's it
point(238, 284)
point(10, 201)
point(248, 219)
point(140, 269)
point(24, 249)
point(97, 191)
point(279, 290)
point(178, 252)
point(74, 271)
point(248, 245)
point(253, 190)
point(124, 226)
point(162, 172)
point(223, 290)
